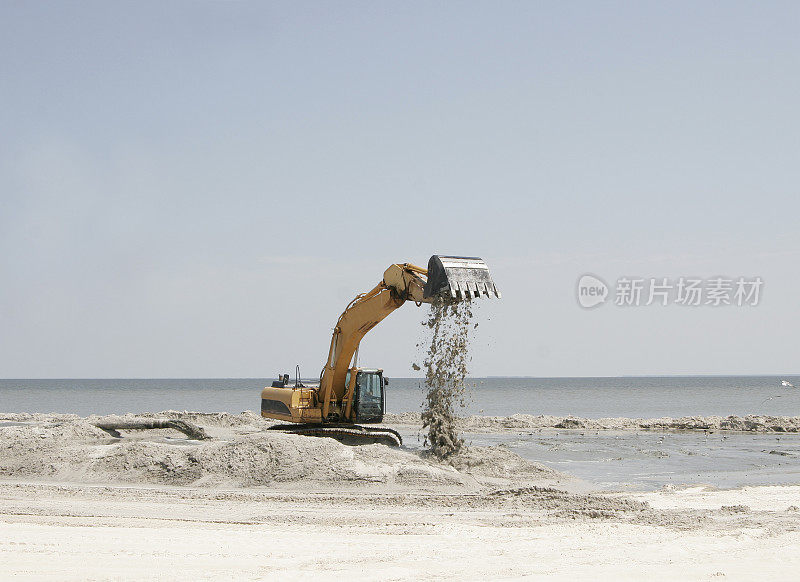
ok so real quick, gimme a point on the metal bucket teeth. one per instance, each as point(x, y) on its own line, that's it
point(464, 277)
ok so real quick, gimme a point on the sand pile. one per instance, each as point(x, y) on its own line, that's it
point(245, 455)
point(500, 463)
point(749, 423)
point(246, 419)
point(269, 458)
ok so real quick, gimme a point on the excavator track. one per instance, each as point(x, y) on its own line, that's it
point(349, 434)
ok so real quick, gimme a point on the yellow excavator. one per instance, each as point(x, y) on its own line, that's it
point(347, 394)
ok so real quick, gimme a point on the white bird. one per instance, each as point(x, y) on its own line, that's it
point(787, 384)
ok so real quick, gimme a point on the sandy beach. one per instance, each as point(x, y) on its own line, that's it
point(248, 503)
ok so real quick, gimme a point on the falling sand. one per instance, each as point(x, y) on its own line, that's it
point(445, 371)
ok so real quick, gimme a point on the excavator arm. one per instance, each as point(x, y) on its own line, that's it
point(400, 283)
point(456, 277)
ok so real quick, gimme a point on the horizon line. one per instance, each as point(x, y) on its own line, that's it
point(681, 375)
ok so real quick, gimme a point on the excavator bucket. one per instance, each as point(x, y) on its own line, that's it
point(459, 277)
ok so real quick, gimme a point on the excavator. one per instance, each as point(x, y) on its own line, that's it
point(347, 394)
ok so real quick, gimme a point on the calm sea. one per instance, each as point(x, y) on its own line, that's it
point(586, 397)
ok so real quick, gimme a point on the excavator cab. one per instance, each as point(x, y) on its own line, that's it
point(369, 400)
point(369, 395)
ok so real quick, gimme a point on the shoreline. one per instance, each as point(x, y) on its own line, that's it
point(751, 423)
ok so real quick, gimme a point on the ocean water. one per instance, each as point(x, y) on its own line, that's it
point(649, 460)
point(636, 397)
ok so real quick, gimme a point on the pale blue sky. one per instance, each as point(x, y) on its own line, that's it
point(198, 189)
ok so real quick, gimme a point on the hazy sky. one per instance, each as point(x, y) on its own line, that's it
point(194, 189)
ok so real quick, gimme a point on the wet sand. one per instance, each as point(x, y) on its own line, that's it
point(249, 504)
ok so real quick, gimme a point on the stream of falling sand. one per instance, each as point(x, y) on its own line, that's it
point(445, 371)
